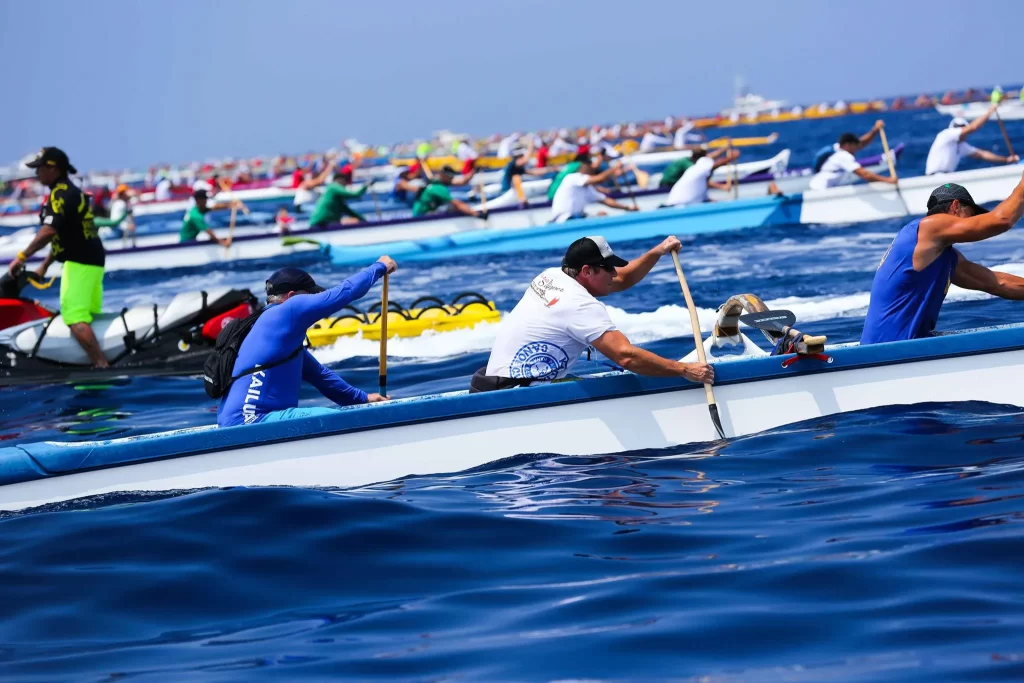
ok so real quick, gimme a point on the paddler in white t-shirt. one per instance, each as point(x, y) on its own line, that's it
point(840, 165)
point(692, 186)
point(949, 146)
point(559, 316)
point(579, 189)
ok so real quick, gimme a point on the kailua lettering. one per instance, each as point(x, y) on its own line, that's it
point(249, 409)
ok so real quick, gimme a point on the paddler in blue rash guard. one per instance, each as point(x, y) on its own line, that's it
point(915, 273)
point(273, 394)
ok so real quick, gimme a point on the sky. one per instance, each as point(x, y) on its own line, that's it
point(130, 83)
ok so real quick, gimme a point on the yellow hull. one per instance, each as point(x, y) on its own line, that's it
point(408, 323)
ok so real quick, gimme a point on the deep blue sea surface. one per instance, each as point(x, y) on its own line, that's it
point(880, 545)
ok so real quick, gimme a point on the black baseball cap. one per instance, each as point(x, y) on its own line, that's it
point(591, 251)
point(52, 156)
point(200, 194)
point(950, 191)
point(291, 280)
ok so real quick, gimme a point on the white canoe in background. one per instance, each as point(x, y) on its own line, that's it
point(1009, 110)
point(452, 432)
point(879, 201)
point(439, 236)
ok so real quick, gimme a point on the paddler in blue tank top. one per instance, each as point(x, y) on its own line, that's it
point(407, 184)
point(915, 273)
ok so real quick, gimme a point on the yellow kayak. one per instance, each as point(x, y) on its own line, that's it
point(426, 313)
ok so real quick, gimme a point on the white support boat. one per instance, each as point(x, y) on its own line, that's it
point(1009, 110)
point(456, 431)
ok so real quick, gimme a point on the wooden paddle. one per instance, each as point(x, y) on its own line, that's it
point(483, 198)
point(643, 178)
point(231, 225)
point(1002, 127)
point(384, 338)
point(892, 170)
point(225, 186)
point(709, 393)
point(373, 195)
point(735, 175)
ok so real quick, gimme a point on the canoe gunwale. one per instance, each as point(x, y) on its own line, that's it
point(34, 461)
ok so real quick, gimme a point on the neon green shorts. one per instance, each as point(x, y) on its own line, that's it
point(81, 292)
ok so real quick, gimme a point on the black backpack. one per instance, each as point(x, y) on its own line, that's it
point(217, 378)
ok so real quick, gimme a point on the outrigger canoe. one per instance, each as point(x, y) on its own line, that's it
point(451, 432)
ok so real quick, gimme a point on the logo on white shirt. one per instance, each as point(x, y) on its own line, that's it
point(538, 360)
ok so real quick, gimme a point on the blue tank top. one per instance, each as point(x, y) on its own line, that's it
point(399, 195)
point(905, 303)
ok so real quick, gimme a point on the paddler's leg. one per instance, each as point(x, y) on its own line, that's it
point(293, 413)
point(81, 297)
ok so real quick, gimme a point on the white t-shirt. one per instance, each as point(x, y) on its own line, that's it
point(304, 196)
point(680, 137)
point(946, 151)
point(692, 187)
point(118, 208)
point(548, 330)
point(560, 147)
point(163, 190)
point(465, 151)
point(506, 145)
point(835, 171)
point(649, 142)
point(572, 197)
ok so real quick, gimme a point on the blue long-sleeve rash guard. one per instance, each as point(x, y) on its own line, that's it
point(278, 332)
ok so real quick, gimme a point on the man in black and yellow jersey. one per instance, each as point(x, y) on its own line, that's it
point(67, 226)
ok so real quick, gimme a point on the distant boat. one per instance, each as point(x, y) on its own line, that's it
point(1009, 110)
point(747, 104)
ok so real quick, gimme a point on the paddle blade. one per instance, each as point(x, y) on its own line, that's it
point(717, 420)
point(769, 321)
point(643, 178)
point(292, 241)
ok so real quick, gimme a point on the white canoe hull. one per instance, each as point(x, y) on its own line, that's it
point(449, 433)
point(880, 201)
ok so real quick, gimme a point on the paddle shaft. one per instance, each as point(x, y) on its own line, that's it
point(231, 225)
point(735, 175)
point(888, 157)
point(376, 204)
point(709, 393)
point(892, 169)
point(1002, 127)
point(384, 338)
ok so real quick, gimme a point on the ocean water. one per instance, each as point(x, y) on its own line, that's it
point(879, 545)
point(882, 545)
